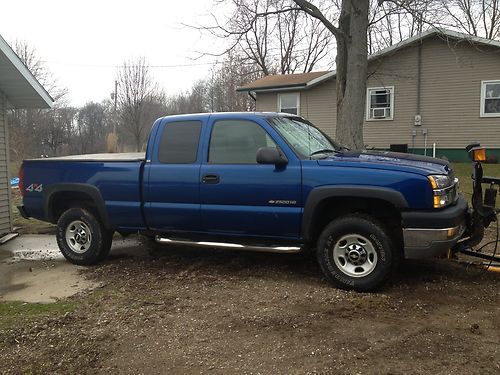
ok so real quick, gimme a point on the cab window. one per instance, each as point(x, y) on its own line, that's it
point(237, 142)
point(179, 142)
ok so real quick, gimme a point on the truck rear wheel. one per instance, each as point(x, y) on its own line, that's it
point(355, 252)
point(82, 238)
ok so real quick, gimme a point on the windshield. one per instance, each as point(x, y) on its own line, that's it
point(304, 137)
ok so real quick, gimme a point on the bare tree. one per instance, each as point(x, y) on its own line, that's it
point(351, 62)
point(29, 56)
point(55, 126)
point(138, 95)
point(28, 128)
point(474, 17)
point(90, 128)
point(391, 22)
point(234, 72)
point(261, 32)
point(217, 93)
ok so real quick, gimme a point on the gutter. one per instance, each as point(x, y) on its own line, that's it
point(271, 88)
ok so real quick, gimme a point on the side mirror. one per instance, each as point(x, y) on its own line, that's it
point(271, 155)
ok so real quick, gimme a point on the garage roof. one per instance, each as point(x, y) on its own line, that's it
point(18, 84)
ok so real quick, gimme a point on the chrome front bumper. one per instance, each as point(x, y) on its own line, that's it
point(429, 242)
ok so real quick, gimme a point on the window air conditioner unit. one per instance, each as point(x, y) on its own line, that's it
point(379, 112)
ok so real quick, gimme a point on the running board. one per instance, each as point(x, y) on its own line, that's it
point(226, 245)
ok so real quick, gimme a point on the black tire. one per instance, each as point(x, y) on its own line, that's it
point(354, 238)
point(99, 239)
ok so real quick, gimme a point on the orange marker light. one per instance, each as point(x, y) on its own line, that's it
point(437, 201)
point(479, 154)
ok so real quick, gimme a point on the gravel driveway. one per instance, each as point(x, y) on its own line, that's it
point(184, 310)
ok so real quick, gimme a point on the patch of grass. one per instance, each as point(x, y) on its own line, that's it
point(16, 313)
point(464, 171)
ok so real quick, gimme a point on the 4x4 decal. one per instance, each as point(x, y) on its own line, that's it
point(35, 187)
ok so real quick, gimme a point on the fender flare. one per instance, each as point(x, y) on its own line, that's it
point(87, 189)
point(319, 194)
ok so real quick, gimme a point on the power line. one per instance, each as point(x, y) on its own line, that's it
point(218, 62)
point(121, 66)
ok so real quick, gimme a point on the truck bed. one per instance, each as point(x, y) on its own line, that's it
point(116, 177)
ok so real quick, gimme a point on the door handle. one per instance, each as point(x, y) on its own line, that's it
point(210, 179)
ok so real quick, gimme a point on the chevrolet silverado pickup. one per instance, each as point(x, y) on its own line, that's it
point(253, 181)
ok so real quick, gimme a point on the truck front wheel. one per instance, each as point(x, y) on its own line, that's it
point(355, 252)
point(82, 238)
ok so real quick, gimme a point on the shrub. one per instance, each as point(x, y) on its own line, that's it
point(491, 159)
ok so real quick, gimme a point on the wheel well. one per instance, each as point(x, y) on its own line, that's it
point(332, 208)
point(63, 200)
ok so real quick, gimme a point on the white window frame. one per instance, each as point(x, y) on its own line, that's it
point(297, 94)
point(368, 98)
point(483, 98)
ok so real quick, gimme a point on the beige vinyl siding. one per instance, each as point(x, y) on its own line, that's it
point(267, 102)
point(450, 97)
point(319, 105)
point(398, 71)
point(451, 93)
point(5, 214)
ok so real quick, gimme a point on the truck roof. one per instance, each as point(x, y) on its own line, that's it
point(222, 115)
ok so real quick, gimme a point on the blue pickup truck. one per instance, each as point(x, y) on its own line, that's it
point(255, 181)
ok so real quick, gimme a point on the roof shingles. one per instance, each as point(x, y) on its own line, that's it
point(282, 81)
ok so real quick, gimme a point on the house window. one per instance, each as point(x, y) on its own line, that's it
point(380, 103)
point(289, 103)
point(490, 98)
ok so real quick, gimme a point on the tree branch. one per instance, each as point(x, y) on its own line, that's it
point(313, 11)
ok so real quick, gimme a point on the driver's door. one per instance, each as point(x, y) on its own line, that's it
point(239, 196)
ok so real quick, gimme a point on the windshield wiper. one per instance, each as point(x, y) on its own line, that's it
point(323, 151)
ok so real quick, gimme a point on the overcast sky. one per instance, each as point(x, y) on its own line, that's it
point(82, 42)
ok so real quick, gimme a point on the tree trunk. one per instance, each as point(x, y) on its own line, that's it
point(352, 67)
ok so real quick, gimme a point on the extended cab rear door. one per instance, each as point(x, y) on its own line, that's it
point(172, 176)
point(239, 196)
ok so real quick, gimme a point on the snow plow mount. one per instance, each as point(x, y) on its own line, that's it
point(483, 211)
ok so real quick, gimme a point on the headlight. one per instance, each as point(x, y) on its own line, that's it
point(444, 188)
point(440, 181)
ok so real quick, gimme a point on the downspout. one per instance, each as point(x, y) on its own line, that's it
point(419, 94)
point(418, 118)
point(419, 75)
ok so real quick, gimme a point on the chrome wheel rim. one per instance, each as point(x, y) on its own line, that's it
point(355, 255)
point(78, 236)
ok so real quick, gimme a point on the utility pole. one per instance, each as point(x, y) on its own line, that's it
point(112, 138)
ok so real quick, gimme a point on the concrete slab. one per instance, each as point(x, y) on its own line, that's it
point(40, 281)
point(32, 269)
point(32, 247)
